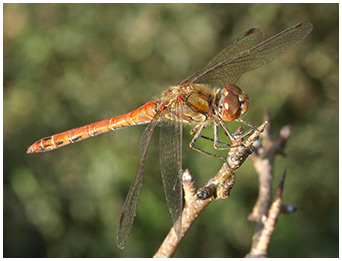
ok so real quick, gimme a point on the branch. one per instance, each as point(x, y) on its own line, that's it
point(260, 245)
point(217, 187)
point(265, 214)
point(263, 158)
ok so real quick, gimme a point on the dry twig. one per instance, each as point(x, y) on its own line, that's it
point(260, 245)
point(265, 214)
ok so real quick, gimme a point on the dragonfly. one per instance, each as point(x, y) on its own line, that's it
point(209, 96)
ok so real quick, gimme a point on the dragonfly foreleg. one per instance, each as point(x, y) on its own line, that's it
point(246, 123)
point(246, 133)
point(226, 131)
point(237, 136)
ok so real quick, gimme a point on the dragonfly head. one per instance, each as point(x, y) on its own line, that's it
point(233, 103)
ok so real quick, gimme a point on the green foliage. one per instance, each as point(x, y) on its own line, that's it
point(67, 65)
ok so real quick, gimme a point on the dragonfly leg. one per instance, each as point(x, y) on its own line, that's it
point(246, 133)
point(217, 142)
point(200, 128)
point(226, 131)
point(197, 135)
point(246, 123)
point(194, 129)
point(233, 137)
point(213, 140)
point(238, 136)
point(218, 145)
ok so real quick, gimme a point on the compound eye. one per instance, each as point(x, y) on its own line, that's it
point(231, 104)
point(230, 107)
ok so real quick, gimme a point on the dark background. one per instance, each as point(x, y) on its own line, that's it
point(67, 65)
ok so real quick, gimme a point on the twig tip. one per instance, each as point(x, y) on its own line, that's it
point(187, 176)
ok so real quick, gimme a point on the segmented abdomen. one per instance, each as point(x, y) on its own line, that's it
point(142, 115)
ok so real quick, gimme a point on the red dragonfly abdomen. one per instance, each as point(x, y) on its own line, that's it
point(142, 115)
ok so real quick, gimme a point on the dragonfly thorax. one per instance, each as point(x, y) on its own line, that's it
point(233, 103)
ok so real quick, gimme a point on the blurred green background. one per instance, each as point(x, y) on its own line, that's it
point(67, 65)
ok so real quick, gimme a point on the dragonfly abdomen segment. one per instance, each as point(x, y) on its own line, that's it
point(142, 115)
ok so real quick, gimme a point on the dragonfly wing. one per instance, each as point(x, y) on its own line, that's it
point(171, 166)
point(131, 202)
point(229, 70)
point(244, 42)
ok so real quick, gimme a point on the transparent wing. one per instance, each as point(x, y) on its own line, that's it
point(224, 69)
point(131, 202)
point(171, 165)
point(244, 42)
